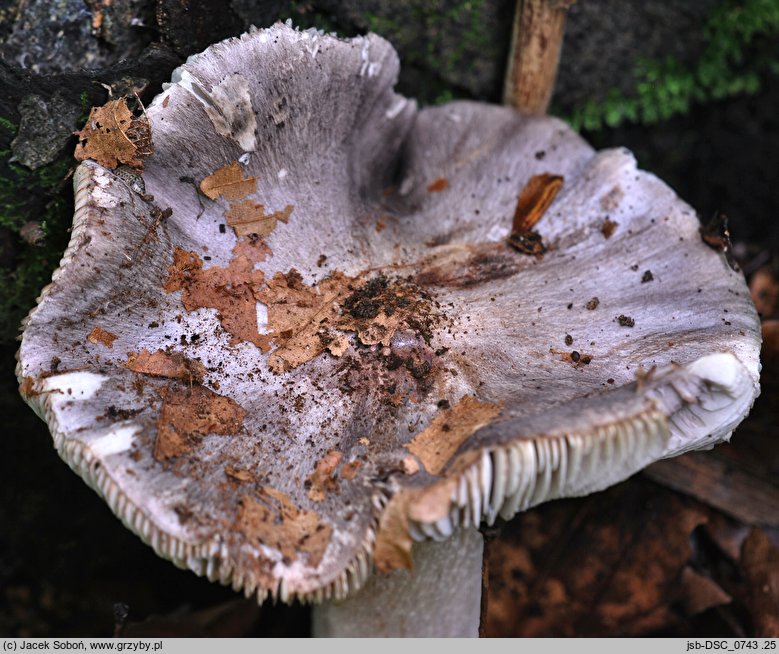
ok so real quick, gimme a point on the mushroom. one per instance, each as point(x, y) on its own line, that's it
point(309, 348)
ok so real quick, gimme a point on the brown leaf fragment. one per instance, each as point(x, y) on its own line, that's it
point(349, 470)
point(229, 182)
point(113, 136)
point(533, 201)
point(102, 336)
point(760, 562)
point(249, 217)
point(608, 227)
point(238, 474)
point(438, 442)
point(188, 414)
point(252, 247)
point(273, 519)
point(392, 550)
point(301, 318)
point(232, 291)
point(172, 365)
point(437, 185)
point(764, 288)
point(700, 593)
point(323, 479)
point(376, 309)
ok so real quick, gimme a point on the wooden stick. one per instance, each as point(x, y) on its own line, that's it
point(536, 42)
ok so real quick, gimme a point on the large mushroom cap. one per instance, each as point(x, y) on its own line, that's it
point(328, 349)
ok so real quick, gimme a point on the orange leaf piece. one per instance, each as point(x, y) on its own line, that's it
point(172, 365)
point(249, 217)
point(100, 335)
point(438, 442)
point(188, 414)
point(533, 201)
point(113, 136)
point(229, 182)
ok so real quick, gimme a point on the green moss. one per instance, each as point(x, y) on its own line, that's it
point(740, 38)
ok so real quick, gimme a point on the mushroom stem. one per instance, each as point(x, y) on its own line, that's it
point(536, 42)
point(441, 597)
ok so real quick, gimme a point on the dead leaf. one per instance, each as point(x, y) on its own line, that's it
point(113, 136)
point(229, 182)
point(376, 309)
point(302, 318)
point(272, 519)
point(232, 291)
point(323, 479)
point(102, 336)
point(392, 550)
point(188, 414)
point(760, 561)
point(249, 217)
point(608, 227)
point(172, 365)
point(438, 442)
point(437, 185)
point(252, 247)
point(764, 288)
point(606, 565)
point(238, 474)
point(349, 470)
point(533, 201)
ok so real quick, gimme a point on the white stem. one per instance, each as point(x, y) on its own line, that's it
point(441, 597)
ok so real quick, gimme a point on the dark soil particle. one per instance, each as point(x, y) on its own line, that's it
point(592, 304)
point(647, 277)
point(568, 339)
point(625, 321)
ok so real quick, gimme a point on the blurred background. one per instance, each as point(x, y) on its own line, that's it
point(688, 548)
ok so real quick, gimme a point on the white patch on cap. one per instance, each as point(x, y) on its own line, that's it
point(262, 317)
point(73, 386)
point(118, 439)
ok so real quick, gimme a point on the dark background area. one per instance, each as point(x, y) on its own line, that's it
point(691, 87)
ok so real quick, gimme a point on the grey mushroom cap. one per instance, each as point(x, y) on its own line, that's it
point(422, 201)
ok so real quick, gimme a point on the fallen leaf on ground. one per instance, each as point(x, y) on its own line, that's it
point(188, 414)
point(610, 564)
point(760, 561)
point(232, 291)
point(438, 442)
point(249, 217)
point(532, 202)
point(272, 518)
point(102, 336)
point(172, 365)
point(229, 182)
point(113, 136)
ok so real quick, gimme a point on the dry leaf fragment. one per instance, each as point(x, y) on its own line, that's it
point(392, 550)
point(188, 414)
point(301, 317)
point(249, 217)
point(172, 365)
point(100, 335)
point(113, 136)
point(323, 479)
point(273, 519)
point(534, 200)
point(238, 474)
point(437, 185)
point(436, 444)
point(232, 291)
point(229, 182)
